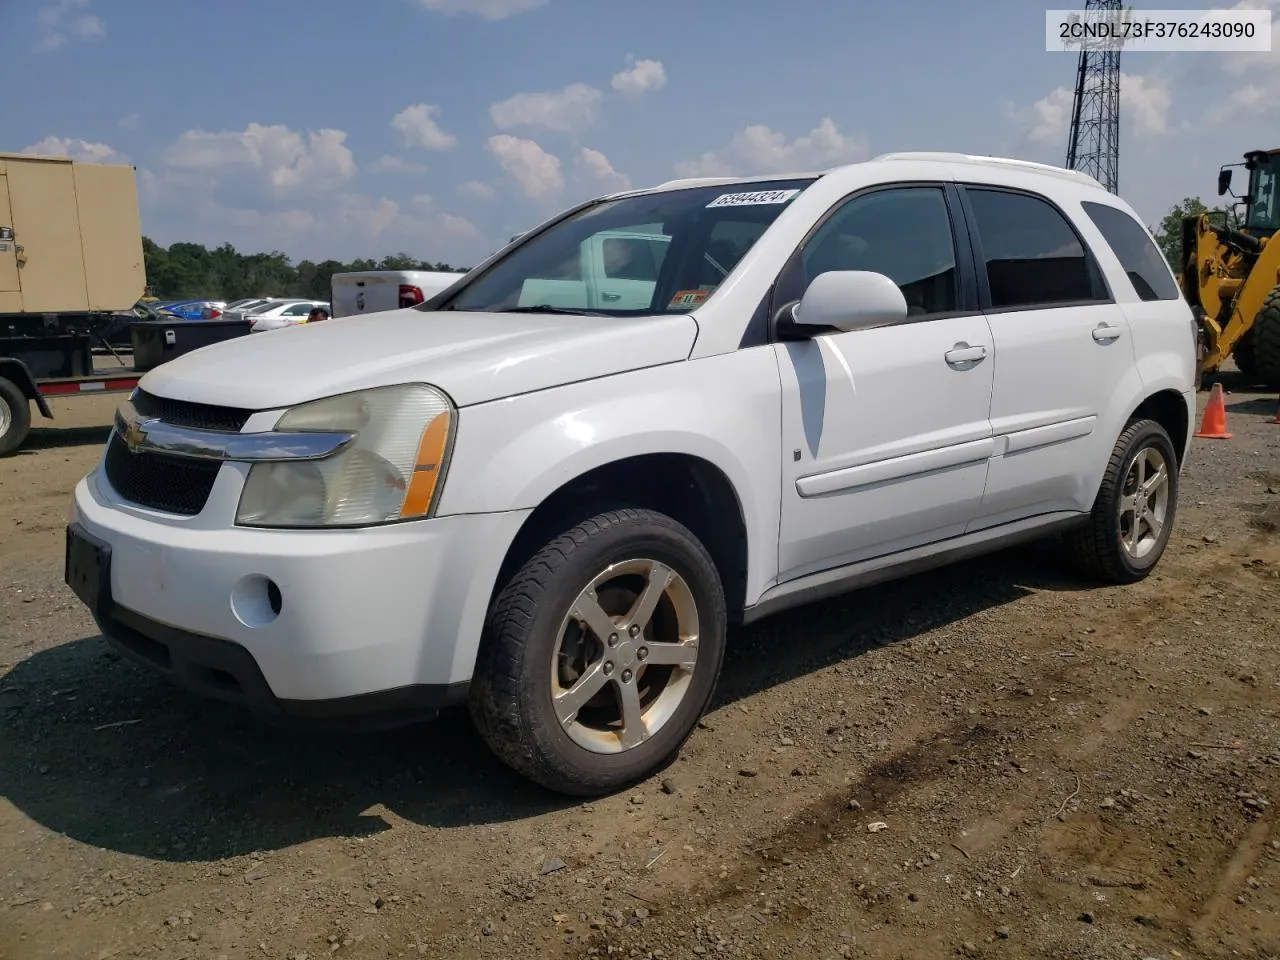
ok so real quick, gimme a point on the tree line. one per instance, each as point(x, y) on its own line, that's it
point(191, 271)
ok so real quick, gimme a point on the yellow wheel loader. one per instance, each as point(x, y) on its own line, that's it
point(1231, 277)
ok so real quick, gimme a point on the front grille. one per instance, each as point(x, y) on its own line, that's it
point(180, 413)
point(173, 484)
point(158, 481)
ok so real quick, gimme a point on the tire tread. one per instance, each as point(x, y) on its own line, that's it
point(1266, 341)
point(1090, 545)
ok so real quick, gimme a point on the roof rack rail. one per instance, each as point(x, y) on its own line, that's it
point(979, 160)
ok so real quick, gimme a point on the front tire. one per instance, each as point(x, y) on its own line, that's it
point(1132, 518)
point(601, 653)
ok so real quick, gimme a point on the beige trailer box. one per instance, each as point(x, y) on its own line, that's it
point(70, 237)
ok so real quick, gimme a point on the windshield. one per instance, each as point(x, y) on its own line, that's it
point(656, 253)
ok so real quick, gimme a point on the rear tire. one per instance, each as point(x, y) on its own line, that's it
point(1128, 530)
point(15, 417)
point(1266, 342)
point(564, 692)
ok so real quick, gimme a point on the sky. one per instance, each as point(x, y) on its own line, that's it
point(330, 129)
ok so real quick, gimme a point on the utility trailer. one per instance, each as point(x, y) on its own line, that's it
point(67, 367)
point(71, 263)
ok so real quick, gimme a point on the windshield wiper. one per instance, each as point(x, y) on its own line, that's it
point(548, 308)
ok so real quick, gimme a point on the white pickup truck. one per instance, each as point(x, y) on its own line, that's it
point(552, 504)
point(376, 291)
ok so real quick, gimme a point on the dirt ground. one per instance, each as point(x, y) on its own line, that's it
point(995, 760)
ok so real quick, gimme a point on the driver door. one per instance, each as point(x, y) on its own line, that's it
point(887, 431)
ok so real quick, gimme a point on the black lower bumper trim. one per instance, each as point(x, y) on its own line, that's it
point(221, 669)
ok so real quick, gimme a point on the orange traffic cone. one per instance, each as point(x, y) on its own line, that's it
point(1214, 424)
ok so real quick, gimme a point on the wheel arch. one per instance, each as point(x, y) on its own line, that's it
point(19, 374)
point(1168, 408)
point(690, 489)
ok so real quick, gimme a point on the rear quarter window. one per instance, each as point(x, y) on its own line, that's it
point(1136, 250)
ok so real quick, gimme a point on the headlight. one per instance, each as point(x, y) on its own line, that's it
point(392, 470)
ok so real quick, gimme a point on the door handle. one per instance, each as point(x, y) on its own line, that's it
point(963, 353)
point(1106, 332)
point(610, 296)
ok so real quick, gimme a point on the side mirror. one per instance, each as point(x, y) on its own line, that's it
point(850, 300)
point(1224, 181)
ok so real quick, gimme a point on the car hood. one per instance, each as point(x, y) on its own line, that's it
point(474, 357)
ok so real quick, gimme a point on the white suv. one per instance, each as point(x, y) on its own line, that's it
point(534, 496)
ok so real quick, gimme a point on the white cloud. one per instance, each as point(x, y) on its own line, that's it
point(598, 171)
point(758, 149)
point(477, 190)
point(81, 150)
point(341, 227)
point(537, 172)
point(1255, 75)
point(418, 127)
point(485, 9)
point(1249, 61)
point(568, 110)
point(1048, 120)
point(455, 226)
point(66, 20)
point(385, 219)
point(390, 164)
point(1145, 103)
point(367, 216)
point(89, 27)
point(281, 160)
point(641, 77)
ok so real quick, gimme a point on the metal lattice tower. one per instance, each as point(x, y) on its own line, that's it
point(1094, 145)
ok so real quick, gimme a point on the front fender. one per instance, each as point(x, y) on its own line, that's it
point(512, 454)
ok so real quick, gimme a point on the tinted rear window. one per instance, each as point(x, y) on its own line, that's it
point(1136, 251)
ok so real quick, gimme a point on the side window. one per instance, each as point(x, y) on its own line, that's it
point(1033, 256)
point(903, 233)
point(1136, 251)
point(298, 310)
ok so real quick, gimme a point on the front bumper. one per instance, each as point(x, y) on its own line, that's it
point(310, 624)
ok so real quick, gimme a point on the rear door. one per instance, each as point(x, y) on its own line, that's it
point(1065, 355)
point(9, 277)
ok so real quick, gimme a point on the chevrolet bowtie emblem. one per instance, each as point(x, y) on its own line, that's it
point(134, 432)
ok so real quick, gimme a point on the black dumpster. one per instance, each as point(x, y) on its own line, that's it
point(155, 341)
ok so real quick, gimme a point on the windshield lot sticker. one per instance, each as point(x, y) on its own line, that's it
point(752, 199)
point(688, 298)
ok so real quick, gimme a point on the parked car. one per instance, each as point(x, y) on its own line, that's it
point(554, 512)
point(281, 313)
point(196, 309)
point(240, 309)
